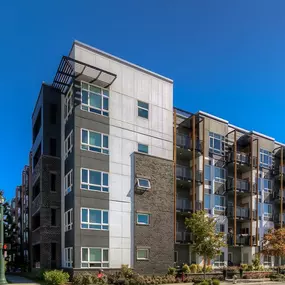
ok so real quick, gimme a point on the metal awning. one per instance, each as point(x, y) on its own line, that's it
point(71, 69)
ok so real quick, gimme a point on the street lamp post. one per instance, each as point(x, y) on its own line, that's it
point(2, 264)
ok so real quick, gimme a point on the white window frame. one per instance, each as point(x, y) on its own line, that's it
point(219, 207)
point(68, 104)
point(68, 182)
point(219, 179)
point(68, 257)
point(88, 184)
point(103, 150)
point(69, 139)
point(218, 262)
point(218, 227)
point(262, 154)
point(143, 249)
point(142, 144)
point(88, 262)
point(68, 225)
point(267, 214)
point(267, 260)
point(143, 214)
point(88, 223)
point(142, 108)
point(141, 186)
point(87, 107)
point(212, 138)
point(269, 183)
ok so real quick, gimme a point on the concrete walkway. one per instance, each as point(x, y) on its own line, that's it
point(16, 279)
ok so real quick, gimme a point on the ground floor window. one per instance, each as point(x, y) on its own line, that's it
point(68, 257)
point(220, 260)
point(94, 257)
point(267, 260)
point(142, 254)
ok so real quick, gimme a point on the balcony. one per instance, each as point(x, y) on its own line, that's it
point(242, 159)
point(241, 240)
point(241, 185)
point(277, 196)
point(279, 170)
point(185, 142)
point(186, 174)
point(183, 205)
point(183, 237)
point(241, 213)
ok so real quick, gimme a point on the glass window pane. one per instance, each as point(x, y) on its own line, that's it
point(84, 215)
point(84, 86)
point(143, 148)
point(142, 254)
point(84, 175)
point(142, 219)
point(95, 89)
point(106, 92)
point(84, 136)
point(105, 141)
point(143, 183)
point(95, 254)
point(105, 255)
point(207, 172)
point(105, 103)
point(105, 217)
point(207, 202)
point(95, 139)
point(94, 177)
point(143, 104)
point(143, 113)
point(95, 100)
point(217, 144)
point(95, 216)
point(105, 179)
point(84, 254)
point(84, 97)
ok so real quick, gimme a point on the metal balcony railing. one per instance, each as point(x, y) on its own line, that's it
point(241, 213)
point(241, 157)
point(185, 173)
point(184, 205)
point(241, 239)
point(183, 237)
point(186, 142)
point(241, 185)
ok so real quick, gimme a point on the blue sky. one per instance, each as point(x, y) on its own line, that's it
point(225, 57)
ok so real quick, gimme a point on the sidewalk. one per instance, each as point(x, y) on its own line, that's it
point(16, 279)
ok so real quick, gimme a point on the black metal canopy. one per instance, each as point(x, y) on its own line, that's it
point(71, 69)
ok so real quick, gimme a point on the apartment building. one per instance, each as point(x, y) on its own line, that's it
point(235, 175)
point(112, 163)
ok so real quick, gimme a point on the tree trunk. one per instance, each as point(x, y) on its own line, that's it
point(205, 267)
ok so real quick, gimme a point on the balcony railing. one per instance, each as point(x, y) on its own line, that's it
point(241, 239)
point(241, 185)
point(183, 237)
point(241, 213)
point(185, 173)
point(186, 142)
point(184, 205)
point(241, 157)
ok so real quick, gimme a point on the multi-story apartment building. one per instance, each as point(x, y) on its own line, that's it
point(236, 176)
point(114, 171)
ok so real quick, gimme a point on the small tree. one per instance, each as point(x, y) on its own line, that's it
point(274, 243)
point(207, 243)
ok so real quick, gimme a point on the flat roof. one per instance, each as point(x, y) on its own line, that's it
point(108, 55)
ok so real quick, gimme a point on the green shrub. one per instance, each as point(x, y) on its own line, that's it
point(126, 271)
point(185, 268)
point(256, 263)
point(56, 277)
point(171, 271)
point(216, 282)
point(199, 268)
point(209, 268)
point(197, 280)
point(244, 267)
point(260, 268)
point(193, 268)
point(205, 282)
point(250, 268)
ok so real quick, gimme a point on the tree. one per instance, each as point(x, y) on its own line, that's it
point(207, 243)
point(274, 243)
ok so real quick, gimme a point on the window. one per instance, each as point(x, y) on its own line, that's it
point(265, 158)
point(68, 182)
point(94, 219)
point(68, 104)
point(220, 203)
point(217, 143)
point(143, 109)
point(94, 99)
point(142, 148)
point(220, 260)
point(53, 251)
point(143, 183)
point(245, 231)
point(175, 256)
point(142, 254)
point(53, 217)
point(93, 141)
point(53, 182)
point(68, 257)
point(94, 180)
point(220, 228)
point(52, 146)
point(68, 144)
point(267, 185)
point(52, 113)
point(267, 210)
point(267, 260)
point(68, 220)
point(142, 219)
point(220, 174)
point(94, 257)
point(207, 201)
point(207, 172)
